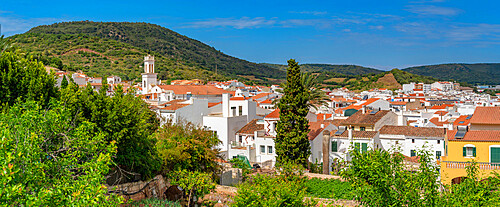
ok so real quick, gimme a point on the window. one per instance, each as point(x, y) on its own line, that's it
point(469, 151)
point(362, 129)
point(397, 142)
point(438, 155)
point(413, 153)
point(364, 147)
point(439, 141)
point(357, 146)
point(241, 139)
point(334, 146)
point(412, 140)
point(262, 149)
point(270, 149)
point(240, 110)
point(495, 154)
point(233, 109)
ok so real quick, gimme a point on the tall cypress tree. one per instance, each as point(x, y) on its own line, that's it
point(291, 140)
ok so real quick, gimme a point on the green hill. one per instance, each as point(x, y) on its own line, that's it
point(482, 73)
point(181, 56)
point(342, 69)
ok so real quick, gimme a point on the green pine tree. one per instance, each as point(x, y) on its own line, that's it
point(64, 82)
point(291, 140)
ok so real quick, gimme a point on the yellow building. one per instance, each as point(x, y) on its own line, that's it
point(481, 143)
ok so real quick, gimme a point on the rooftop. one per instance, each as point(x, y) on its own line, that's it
point(413, 131)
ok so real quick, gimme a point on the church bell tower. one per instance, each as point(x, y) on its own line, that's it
point(149, 77)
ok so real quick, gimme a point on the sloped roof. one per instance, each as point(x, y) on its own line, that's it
point(315, 128)
point(436, 121)
point(356, 134)
point(260, 95)
point(173, 105)
point(367, 118)
point(461, 121)
point(273, 115)
point(486, 115)
point(413, 131)
point(210, 105)
point(195, 89)
point(251, 127)
point(477, 136)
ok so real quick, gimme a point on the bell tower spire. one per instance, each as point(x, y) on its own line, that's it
point(149, 77)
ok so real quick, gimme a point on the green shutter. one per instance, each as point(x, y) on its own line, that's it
point(474, 152)
point(465, 151)
point(495, 154)
point(364, 147)
point(334, 146)
point(438, 155)
point(413, 153)
point(356, 146)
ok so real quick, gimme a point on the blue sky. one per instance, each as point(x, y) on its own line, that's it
point(377, 33)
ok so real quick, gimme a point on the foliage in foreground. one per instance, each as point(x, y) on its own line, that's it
point(122, 118)
point(381, 178)
point(195, 184)
point(329, 188)
point(286, 188)
point(155, 202)
point(47, 160)
point(184, 146)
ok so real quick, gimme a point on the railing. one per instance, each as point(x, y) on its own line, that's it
point(482, 165)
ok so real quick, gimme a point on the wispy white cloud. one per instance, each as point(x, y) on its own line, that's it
point(14, 25)
point(427, 1)
point(433, 10)
point(316, 13)
point(474, 32)
point(377, 27)
point(241, 23)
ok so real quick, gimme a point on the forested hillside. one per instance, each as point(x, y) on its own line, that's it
point(482, 73)
point(154, 38)
point(342, 69)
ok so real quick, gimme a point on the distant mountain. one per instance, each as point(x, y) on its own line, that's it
point(342, 69)
point(182, 56)
point(482, 73)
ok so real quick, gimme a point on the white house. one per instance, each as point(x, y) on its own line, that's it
point(408, 140)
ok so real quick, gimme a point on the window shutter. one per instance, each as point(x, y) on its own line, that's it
point(465, 151)
point(364, 147)
point(495, 155)
point(334, 146)
point(474, 152)
point(412, 152)
point(356, 146)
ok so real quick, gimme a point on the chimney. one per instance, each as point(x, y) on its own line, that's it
point(363, 109)
point(326, 152)
point(322, 126)
point(225, 105)
point(349, 130)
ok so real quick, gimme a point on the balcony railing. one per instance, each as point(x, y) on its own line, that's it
point(482, 165)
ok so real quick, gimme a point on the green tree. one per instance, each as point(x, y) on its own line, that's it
point(193, 182)
point(64, 82)
point(317, 97)
point(24, 79)
point(184, 146)
point(48, 160)
point(122, 118)
point(291, 140)
point(4, 44)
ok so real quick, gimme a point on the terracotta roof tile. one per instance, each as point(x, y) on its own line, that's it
point(413, 131)
point(315, 129)
point(486, 115)
point(356, 134)
point(359, 118)
point(195, 89)
point(260, 95)
point(273, 115)
point(461, 121)
point(477, 135)
point(251, 127)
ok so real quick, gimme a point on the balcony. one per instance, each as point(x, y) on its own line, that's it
point(462, 165)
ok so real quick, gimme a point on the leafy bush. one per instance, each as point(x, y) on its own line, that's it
point(329, 188)
point(196, 184)
point(48, 160)
point(267, 191)
point(184, 146)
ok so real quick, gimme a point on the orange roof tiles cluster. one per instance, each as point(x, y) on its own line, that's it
point(195, 89)
point(273, 115)
point(476, 135)
point(413, 131)
point(486, 115)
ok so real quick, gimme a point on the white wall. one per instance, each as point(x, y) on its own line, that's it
point(226, 128)
point(266, 156)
